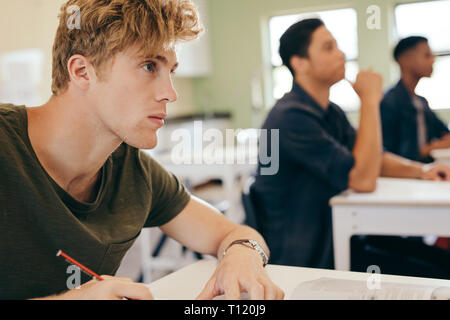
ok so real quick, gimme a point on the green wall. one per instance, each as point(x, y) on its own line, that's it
point(240, 52)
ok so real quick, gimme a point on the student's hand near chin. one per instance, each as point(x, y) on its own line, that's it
point(111, 288)
point(436, 172)
point(241, 270)
point(369, 87)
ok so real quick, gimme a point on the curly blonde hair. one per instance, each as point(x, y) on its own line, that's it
point(107, 27)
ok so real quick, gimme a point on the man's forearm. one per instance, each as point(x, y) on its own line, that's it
point(398, 167)
point(368, 146)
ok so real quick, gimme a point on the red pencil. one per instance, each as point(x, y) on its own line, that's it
point(83, 268)
point(71, 260)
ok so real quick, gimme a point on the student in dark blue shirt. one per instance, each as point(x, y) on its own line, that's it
point(320, 154)
point(410, 128)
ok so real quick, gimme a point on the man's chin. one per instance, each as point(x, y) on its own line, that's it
point(338, 76)
point(146, 144)
point(336, 79)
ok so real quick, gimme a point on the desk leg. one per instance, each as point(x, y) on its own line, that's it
point(146, 256)
point(229, 188)
point(342, 232)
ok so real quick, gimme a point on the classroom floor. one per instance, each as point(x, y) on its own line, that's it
point(131, 264)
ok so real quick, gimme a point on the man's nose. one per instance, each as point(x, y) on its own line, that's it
point(166, 91)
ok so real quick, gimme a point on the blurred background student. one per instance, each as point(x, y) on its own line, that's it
point(321, 155)
point(410, 128)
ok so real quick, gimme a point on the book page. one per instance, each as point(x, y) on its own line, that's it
point(340, 289)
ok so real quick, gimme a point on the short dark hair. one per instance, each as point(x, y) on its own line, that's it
point(296, 39)
point(407, 44)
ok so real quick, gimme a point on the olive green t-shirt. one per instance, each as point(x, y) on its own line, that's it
point(38, 217)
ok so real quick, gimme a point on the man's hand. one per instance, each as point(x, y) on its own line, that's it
point(436, 171)
point(369, 87)
point(111, 288)
point(443, 143)
point(367, 150)
point(241, 270)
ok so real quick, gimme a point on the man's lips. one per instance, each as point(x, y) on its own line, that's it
point(158, 119)
point(161, 116)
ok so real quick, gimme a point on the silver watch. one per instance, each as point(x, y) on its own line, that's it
point(254, 245)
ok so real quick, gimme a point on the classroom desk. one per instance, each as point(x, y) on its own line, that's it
point(212, 168)
point(398, 207)
point(187, 283)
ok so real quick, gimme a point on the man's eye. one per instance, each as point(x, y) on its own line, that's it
point(151, 67)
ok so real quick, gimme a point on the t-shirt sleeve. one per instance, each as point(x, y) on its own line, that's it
point(169, 196)
point(306, 143)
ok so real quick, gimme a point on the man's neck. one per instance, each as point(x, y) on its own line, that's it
point(71, 143)
point(317, 90)
point(410, 81)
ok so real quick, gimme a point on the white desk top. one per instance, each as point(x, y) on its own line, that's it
point(390, 191)
point(440, 154)
point(187, 283)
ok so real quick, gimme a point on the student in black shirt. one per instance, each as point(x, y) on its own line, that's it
point(410, 128)
point(320, 153)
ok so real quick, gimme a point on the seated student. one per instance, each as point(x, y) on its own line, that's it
point(410, 128)
point(73, 177)
point(320, 153)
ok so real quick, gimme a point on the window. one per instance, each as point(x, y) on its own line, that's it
point(429, 19)
point(342, 24)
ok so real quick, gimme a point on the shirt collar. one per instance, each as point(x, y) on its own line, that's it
point(308, 102)
point(404, 94)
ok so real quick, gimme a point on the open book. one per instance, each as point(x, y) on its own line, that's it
point(340, 289)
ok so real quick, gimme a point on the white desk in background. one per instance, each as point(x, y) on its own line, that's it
point(197, 173)
point(441, 155)
point(403, 207)
point(213, 167)
point(187, 283)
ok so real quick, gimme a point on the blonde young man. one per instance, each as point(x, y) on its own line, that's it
point(73, 177)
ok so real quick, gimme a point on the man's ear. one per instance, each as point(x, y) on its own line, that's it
point(299, 64)
point(407, 60)
point(80, 71)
